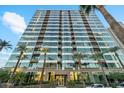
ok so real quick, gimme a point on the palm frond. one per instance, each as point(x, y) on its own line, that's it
point(114, 49)
point(97, 56)
point(82, 8)
point(87, 9)
point(5, 44)
point(22, 47)
point(78, 56)
point(23, 57)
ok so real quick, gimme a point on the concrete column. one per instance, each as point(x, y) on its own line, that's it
point(46, 76)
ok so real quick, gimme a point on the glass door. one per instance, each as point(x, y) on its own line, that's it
point(60, 80)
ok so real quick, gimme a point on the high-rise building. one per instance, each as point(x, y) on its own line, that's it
point(64, 33)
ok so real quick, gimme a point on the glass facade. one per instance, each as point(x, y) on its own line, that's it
point(63, 33)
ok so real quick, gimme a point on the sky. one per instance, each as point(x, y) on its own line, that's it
point(15, 18)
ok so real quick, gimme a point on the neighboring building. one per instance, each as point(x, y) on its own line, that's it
point(64, 32)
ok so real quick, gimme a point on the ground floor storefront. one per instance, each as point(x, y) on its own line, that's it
point(65, 77)
point(27, 77)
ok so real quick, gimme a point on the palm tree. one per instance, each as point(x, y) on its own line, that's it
point(115, 49)
point(77, 57)
point(117, 76)
point(4, 76)
point(22, 48)
point(115, 26)
point(82, 78)
point(59, 65)
point(45, 50)
point(33, 61)
point(99, 56)
point(19, 78)
point(5, 44)
point(114, 76)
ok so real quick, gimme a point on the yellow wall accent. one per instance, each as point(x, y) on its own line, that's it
point(39, 75)
point(74, 75)
point(17, 70)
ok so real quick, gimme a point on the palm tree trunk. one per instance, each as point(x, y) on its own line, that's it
point(91, 76)
point(80, 64)
point(115, 26)
point(59, 65)
point(42, 73)
point(17, 64)
point(15, 68)
point(76, 65)
point(84, 84)
point(104, 75)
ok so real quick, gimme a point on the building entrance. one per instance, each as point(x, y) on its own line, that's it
point(61, 80)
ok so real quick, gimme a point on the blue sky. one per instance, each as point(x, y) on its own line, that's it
point(9, 32)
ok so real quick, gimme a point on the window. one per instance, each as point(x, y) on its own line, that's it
point(66, 44)
point(51, 34)
point(50, 43)
point(112, 65)
point(83, 44)
point(104, 49)
point(52, 57)
point(67, 57)
point(108, 57)
point(67, 50)
point(66, 38)
point(53, 50)
point(82, 39)
point(102, 44)
point(84, 50)
point(99, 39)
point(51, 38)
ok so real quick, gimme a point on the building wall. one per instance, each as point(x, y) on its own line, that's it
point(64, 33)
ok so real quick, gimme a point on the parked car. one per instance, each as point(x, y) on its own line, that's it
point(96, 86)
point(121, 85)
